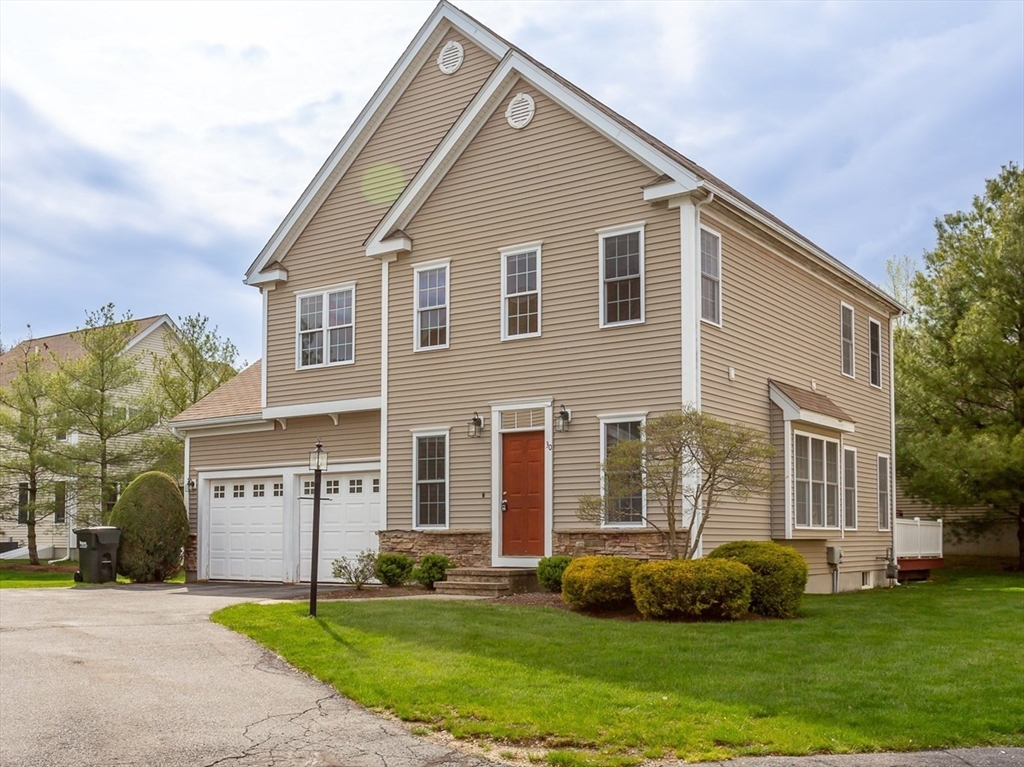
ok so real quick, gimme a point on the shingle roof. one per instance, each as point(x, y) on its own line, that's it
point(810, 400)
point(240, 396)
point(61, 346)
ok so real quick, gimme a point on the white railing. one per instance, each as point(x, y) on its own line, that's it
point(918, 537)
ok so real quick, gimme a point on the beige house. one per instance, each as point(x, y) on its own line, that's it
point(494, 277)
point(54, 532)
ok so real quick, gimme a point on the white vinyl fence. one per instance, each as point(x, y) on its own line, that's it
point(918, 538)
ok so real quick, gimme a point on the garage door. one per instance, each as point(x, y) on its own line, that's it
point(247, 529)
point(349, 519)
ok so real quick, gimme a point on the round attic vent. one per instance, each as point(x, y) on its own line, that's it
point(520, 110)
point(450, 58)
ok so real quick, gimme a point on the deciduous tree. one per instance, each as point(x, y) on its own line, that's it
point(196, 362)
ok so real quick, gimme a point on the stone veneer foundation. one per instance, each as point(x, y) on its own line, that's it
point(638, 544)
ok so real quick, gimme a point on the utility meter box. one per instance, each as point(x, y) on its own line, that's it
point(834, 554)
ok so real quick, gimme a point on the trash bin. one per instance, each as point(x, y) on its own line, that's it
point(97, 554)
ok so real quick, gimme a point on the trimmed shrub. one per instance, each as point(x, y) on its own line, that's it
point(394, 569)
point(154, 528)
point(432, 569)
point(359, 571)
point(780, 575)
point(598, 582)
point(707, 589)
point(550, 570)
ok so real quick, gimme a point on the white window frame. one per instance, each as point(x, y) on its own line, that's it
point(872, 322)
point(604, 421)
point(602, 235)
point(518, 250)
point(447, 306)
point(888, 490)
point(846, 449)
point(325, 328)
point(824, 481)
point(417, 434)
point(853, 340)
point(717, 278)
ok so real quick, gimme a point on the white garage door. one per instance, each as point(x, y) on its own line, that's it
point(349, 519)
point(247, 529)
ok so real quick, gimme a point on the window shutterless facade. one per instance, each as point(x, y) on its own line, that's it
point(816, 481)
point(430, 473)
point(849, 488)
point(520, 291)
point(622, 275)
point(846, 343)
point(620, 510)
point(430, 286)
point(883, 492)
point(326, 327)
point(710, 277)
point(875, 351)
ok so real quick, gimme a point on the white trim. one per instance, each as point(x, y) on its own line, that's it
point(602, 235)
point(689, 307)
point(792, 412)
point(824, 481)
point(718, 280)
point(263, 344)
point(877, 324)
point(856, 490)
point(332, 407)
point(386, 95)
point(142, 336)
point(325, 328)
point(888, 492)
point(394, 245)
point(445, 264)
point(665, 191)
point(497, 408)
point(640, 418)
point(530, 247)
point(632, 226)
point(434, 431)
point(385, 309)
point(853, 340)
point(268, 279)
point(892, 435)
point(787, 471)
point(207, 429)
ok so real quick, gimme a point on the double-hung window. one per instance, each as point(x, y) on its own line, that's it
point(326, 327)
point(431, 297)
point(622, 275)
point(60, 502)
point(849, 488)
point(710, 277)
point(875, 351)
point(846, 343)
point(883, 492)
point(520, 291)
point(816, 481)
point(430, 473)
point(623, 503)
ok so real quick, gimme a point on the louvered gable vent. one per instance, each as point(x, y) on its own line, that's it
point(450, 58)
point(520, 110)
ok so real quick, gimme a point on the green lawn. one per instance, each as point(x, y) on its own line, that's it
point(922, 666)
point(17, 574)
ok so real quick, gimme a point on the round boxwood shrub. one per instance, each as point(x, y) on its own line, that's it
point(706, 589)
point(550, 570)
point(432, 569)
point(154, 528)
point(598, 582)
point(394, 569)
point(780, 575)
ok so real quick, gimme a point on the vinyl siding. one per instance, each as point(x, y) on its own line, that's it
point(330, 249)
point(782, 322)
point(556, 181)
point(355, 439)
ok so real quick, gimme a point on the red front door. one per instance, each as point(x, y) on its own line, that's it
point(522, 484)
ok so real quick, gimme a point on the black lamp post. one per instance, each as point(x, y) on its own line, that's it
point(318, 464)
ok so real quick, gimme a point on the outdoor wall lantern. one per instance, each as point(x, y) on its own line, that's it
point(475, 426)
point(190, 484)
point(563, 419)
point(318, 465)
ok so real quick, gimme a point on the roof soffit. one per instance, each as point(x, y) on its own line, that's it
point(372, 115)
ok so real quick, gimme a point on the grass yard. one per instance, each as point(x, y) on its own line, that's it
point(923, 666)
point(19, 574)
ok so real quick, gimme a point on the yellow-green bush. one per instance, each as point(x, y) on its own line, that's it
point(780, 575)
point(707, 589)
point(595, 582)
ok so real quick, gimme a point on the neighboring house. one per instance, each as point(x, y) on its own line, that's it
point(54, 532)
point(494, 277)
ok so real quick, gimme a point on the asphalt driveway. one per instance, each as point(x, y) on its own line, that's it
point(138, 675)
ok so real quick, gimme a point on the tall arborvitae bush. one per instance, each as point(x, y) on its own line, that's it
point(154, 528)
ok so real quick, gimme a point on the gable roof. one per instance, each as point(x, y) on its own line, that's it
point(235, 399)
point(64, 346)
point(803, 405)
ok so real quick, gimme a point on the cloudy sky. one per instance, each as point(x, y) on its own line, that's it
point(149, 150)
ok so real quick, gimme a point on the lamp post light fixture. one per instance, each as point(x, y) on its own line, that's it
point(562, 419)
point(475, 426)
point(318, 465)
